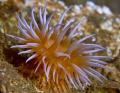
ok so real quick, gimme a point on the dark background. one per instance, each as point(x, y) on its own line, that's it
point(113, 4)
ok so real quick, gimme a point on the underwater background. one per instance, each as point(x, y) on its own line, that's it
point(103, 20)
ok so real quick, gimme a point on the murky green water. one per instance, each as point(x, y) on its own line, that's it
point(113, 4)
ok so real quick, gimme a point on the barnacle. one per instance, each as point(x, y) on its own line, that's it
point(53, 49)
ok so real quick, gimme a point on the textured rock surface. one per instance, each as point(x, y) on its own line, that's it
point(13, 82)
point(106, 28)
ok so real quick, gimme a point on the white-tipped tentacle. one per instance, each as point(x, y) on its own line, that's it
point(33, 56)
point(64, 31)
point(68, 23)
point(95, 72)
point(54, 71)
point(86, 50)
point(24, 32)
point(91, 74)
point(71, 80)
point(51, 30)
point(20, 40)
point(79, 70)
point(97, 65)
point(61, 19)
point(33, 19)
point(75, 28)
point(67, 81)
point(77, 78)
point(92, 51)
point(33, 33)
point(69, 50)
point(61, 54)
point(20, 46)
point(95, 57)
point(27, 51)
point(74, 35)
point(84, 38)
point(37, 66)
point(40, 16)
point(44, 14)
point(20, 22)
point(43, 59)
point(98, 61)
point(48, 70)
point(33, 44)
point(45, 27)
point(25, 23)
point(90, 46)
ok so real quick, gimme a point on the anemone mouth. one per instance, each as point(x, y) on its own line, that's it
point(58, 55)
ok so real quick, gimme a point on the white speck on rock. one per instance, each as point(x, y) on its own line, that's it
point(65, 7)
point(109, 52)
point(110, 28)
point(61, 3)
point(117, 20)
point(90, 6)
point(118, 38)
point(90, 3)
point(93, 39)
point(107, 10)
point(80, 5)
point(53, 9)
point(99, 9)
point(107, 25)
point(73, 14)
point(77, 9)
point(59, 14)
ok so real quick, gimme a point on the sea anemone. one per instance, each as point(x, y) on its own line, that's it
point(52, 47)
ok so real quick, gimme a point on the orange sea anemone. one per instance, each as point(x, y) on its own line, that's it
point(53, 49)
